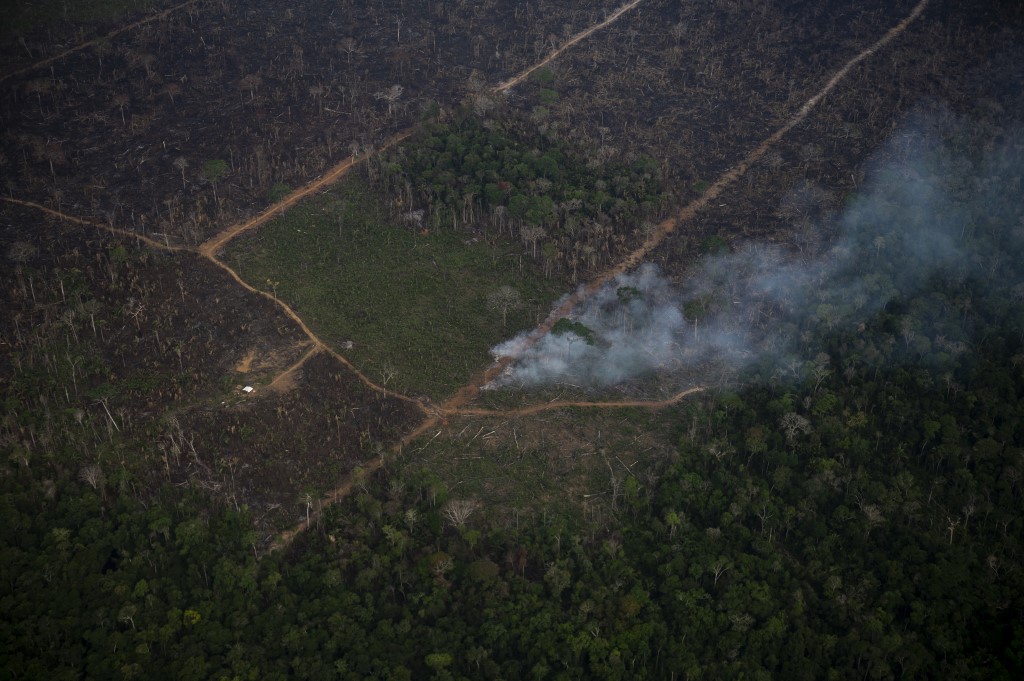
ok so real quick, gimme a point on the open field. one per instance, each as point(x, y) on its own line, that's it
point(414, 308)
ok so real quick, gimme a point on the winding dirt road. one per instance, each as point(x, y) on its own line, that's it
point(85, 222)
point(318, 344)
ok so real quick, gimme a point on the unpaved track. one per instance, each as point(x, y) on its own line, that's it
point(318, 345)
point(211, 247)
point(89, 43)
point(582, 35)
point(284, 380)
point(60, 215)
point(569, 404)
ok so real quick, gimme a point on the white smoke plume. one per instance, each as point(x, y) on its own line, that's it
point(912, 221)
point(636, 326)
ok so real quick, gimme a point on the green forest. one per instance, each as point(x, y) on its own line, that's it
point(576, 210)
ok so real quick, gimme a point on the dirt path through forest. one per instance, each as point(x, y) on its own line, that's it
point(85, 222)
point(570, 404)
point(218, 241)
point(318, 345)
point(212, 246)
point(89, 43)
point(582, 35)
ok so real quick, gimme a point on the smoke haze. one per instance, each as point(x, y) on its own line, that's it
point(942, 200)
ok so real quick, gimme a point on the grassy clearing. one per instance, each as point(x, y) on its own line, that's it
point(556, 466)
point(514, 470)
point(421, 309)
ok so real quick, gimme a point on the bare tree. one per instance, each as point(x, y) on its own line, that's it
point(121, 101)
point(719, 568)
point(457, 511)
point(503, 300)
point(764, 515)
point(391, 96)
point(181, 163)
point(952, 524)
point(307, 499)
point(441, 563)
point(92, 475)
point(387, 374)
point(532, 235)
point(127, 614)
point(616, 484)
point(348, 46)
point(820, 373)
point(410, 518)
point(793, 424)
point(720, 450)
point(134, 309)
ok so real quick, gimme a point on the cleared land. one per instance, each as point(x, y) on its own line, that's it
point(416, 309)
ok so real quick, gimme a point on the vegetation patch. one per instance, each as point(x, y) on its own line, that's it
point(416, 308)
point(575, 209)
point(565, 325)
point(567, 466)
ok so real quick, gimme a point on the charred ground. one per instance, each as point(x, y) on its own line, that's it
point(187, 123)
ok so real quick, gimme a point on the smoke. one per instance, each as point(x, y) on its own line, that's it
point(941, 203)
point(636, 326)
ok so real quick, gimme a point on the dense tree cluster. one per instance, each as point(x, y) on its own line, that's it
point(869, 527)
point(501, 175)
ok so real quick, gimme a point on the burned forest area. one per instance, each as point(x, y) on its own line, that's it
point(440, 339)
